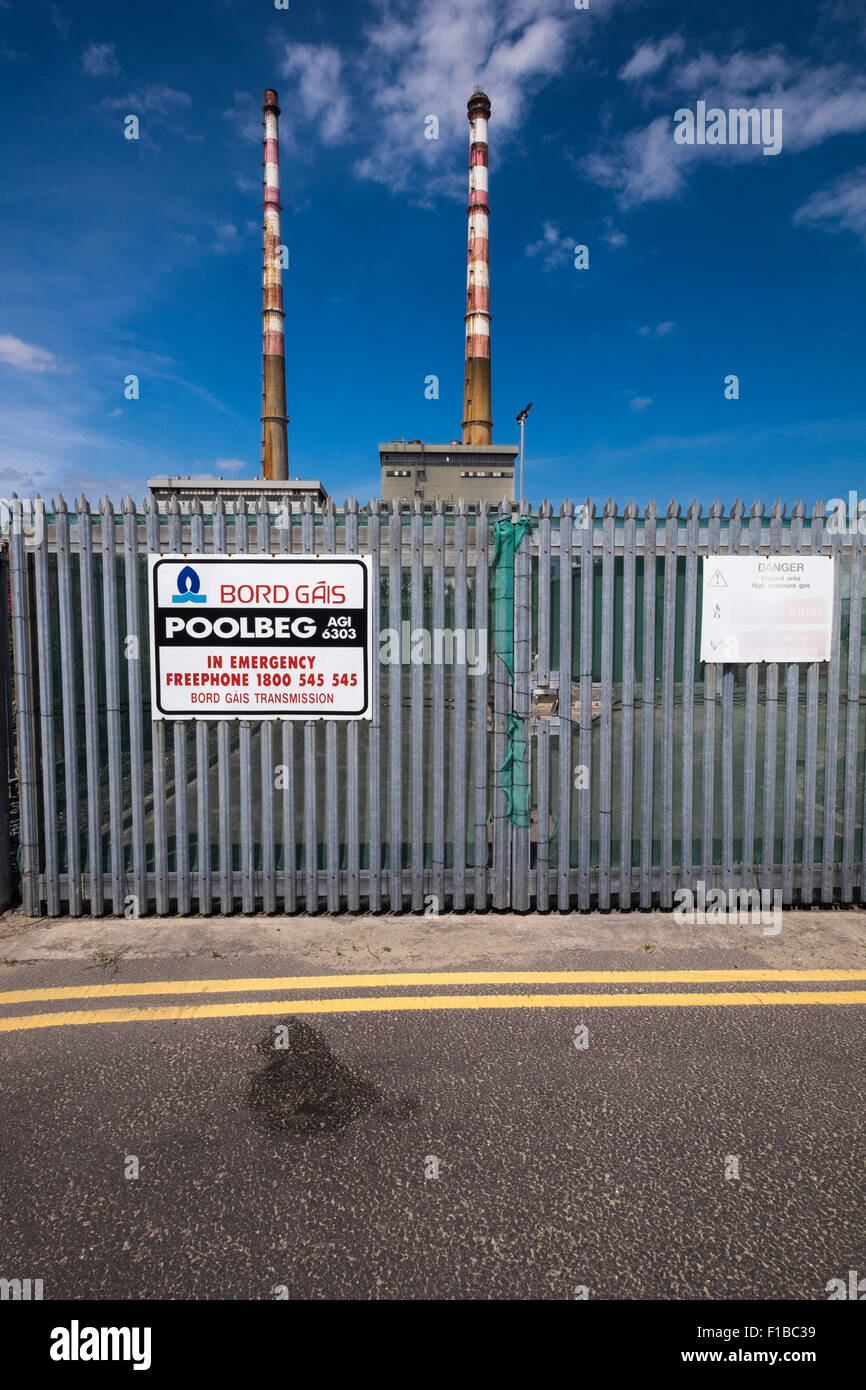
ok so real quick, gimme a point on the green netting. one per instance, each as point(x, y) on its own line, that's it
point(507, 538)
point(514, 775)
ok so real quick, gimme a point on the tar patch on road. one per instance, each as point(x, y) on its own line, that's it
point(305, 1089)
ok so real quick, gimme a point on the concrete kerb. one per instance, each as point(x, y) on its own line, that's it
point(816, 938)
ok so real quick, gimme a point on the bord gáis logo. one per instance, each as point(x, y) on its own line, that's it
point(188, 586)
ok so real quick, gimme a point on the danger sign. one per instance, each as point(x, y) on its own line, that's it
point(767, 608)
point(260, 637)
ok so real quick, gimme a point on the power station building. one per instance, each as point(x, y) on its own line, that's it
point(474, 469)
point(236, 490)
point(474, 472)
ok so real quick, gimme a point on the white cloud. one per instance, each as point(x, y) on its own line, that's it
point(648, 58)
point(229, 465)
point(74, 433)
point(46, 448)
point(645, 166)
point(661, 330)
point(817, 102)
point(219, 238)
point(27, 357)
point(154, 98)
point(843, 21)
point(740, 72)
point(99, 60)
point(415, 61)
point(836, 432)
point(198, 391)
point(316, 71)
point(831, 101)
point(246, 117)
point(60, 22)
point(840, 206)
point(425, 60)
point(612, 235)
point(640, 403)
point(553, 247)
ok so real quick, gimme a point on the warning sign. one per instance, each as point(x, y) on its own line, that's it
point(767, 608)
point(260, 637)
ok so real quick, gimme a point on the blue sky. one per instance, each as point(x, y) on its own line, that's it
point(121, 257)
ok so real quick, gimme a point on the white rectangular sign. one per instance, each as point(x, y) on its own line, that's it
point(260, 637)
point(767, 608)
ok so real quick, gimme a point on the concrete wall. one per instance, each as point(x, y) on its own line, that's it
point(446, 482)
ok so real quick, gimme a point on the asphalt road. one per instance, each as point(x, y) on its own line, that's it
point(268, 1172)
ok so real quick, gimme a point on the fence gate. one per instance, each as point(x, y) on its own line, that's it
point(543, 733)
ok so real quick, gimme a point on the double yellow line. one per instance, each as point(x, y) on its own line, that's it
point(401, 1003)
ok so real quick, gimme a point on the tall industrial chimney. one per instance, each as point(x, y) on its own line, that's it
point(275, 446)
point(477, 424)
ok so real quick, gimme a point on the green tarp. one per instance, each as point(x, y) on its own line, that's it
point(507, 538)
point(514, 775)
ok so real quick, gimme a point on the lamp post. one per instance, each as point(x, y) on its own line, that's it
point(521, 420)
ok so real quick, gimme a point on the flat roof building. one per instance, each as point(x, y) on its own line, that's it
point(293, 490)
point(474, 472)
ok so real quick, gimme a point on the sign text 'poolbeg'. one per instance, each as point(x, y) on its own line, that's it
point(767, 608)
point(242, 637)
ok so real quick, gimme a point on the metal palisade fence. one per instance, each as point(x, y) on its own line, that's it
point(543, 732)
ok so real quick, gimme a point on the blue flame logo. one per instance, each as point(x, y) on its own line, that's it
point(188, 585)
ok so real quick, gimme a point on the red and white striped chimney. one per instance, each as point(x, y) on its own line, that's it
point(275, 445)
point(477, 424)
